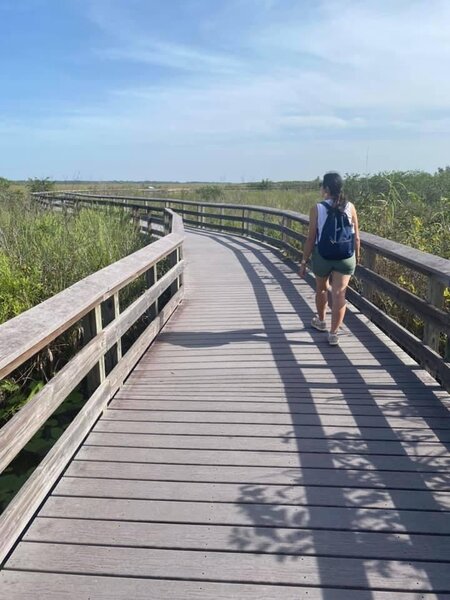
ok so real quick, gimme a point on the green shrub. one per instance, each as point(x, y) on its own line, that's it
point(41, 185)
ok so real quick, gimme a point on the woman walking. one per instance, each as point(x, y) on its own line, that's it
point(333, 243)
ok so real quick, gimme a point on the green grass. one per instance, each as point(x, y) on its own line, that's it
point(41, 254)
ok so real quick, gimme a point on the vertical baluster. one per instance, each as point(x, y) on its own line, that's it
point(435, 296)
point(92, 325)
point(283, 233)
point(369, 261)
point(202, 212)
point(116, 314)
point(151, 277)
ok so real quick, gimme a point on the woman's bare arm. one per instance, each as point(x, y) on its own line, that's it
point(357, 238)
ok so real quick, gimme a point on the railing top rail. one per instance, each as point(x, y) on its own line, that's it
point(29, 332)
point(426, 263)
point(205, 204)
point(177, 222)
point(423, 262)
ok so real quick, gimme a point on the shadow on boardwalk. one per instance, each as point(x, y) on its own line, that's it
point(369, 495)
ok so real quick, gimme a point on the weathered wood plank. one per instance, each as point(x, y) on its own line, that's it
point(392, 408)
point(270, 540)
point(281, 372)
point(282, 432)
point(256, 515)
point(278, 495)
point(262, 475)
point(269, 444)
point(314, 358)
point(279, 419)
point(23, 585)
point(314, 460)
point(277, 386)
point(238, 567)
point(364, 403)
point(432, 397)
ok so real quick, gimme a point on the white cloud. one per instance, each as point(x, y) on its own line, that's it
point(174, 56)
point(382, 62)
point(425, 126)
point(133, 42)
point(373, 70)
point(370, 55)
point(321, 121)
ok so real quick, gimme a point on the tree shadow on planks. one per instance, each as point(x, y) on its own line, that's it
point(383, 524)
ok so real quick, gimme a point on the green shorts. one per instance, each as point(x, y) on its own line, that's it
point(321, 267)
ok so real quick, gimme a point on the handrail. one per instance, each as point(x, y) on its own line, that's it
point(416, 259)
point(24, 335)
point(283, 229)
point(88, 300)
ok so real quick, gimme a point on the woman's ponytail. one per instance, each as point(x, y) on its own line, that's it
point(333, 183)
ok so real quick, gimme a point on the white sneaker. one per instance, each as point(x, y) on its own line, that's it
point(333, 339)
point(318, 324)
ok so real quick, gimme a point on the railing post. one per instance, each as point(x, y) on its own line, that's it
point(243, 221)
point(92, 325)
point(166, 223)
point(222, 212)
point(369, 261)
point(179, 258)
point(116, 314)
point(135, 217)
point(98, 328)
point(147, 216)
point(283, 233)
point(110, 310)
point(202, 218)
point(172, 260)
point(285, 224)
point(151, 277)
point(435, 296)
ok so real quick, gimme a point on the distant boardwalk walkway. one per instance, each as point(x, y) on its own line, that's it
point(244, 458)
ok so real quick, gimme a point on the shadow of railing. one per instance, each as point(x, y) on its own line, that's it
point(380, 510)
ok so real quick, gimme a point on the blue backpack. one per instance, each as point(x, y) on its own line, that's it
point(337, 240)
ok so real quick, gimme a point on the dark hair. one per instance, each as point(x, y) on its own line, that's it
point(333, 183)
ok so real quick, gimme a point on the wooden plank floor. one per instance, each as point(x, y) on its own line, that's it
point(244, 458)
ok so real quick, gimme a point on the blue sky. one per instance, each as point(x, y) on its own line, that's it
point(223, 90)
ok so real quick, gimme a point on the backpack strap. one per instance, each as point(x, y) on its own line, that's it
point(328, 207)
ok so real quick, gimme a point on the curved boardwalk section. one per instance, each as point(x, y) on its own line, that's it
point(245, 458)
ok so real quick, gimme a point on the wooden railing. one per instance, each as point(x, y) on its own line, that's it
point(94, 303)
point(286, 230)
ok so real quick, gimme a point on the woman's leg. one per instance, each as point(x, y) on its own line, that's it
point(321, 296)
point(339, 283)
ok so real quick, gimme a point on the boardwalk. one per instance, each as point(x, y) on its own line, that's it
point(244, 458)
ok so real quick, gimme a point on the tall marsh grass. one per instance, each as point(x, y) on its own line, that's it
point(409, 207)
point(41, 254)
